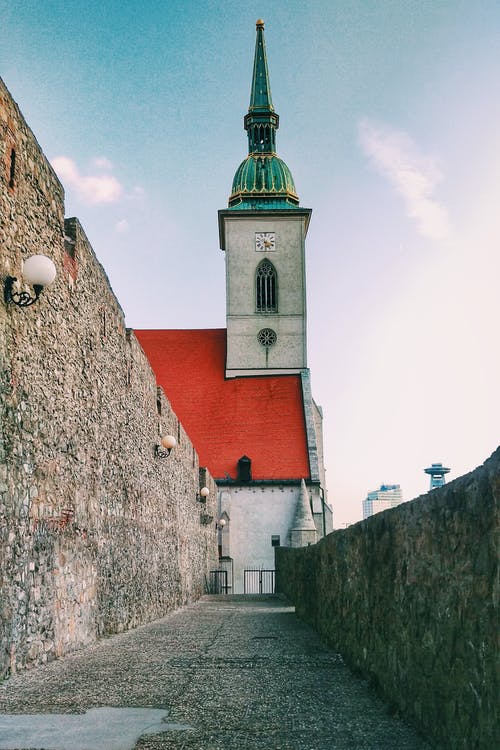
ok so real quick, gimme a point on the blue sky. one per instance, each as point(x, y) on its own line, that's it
point(389, 121)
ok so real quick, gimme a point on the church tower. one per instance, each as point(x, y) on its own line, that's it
point(263, 233)
point(254, 391)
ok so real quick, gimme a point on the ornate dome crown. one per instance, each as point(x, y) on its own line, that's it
point(262, 180)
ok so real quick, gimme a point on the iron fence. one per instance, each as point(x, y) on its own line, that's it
point(258, 582)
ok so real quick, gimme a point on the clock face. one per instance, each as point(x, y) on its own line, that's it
point(265, 241)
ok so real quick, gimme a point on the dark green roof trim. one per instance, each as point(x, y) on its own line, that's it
point(252, 203)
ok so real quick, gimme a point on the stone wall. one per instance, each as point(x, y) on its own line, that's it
point(97, 534)
point(410, 599)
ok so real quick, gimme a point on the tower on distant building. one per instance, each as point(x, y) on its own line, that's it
point(437, 472)
point(386, 497)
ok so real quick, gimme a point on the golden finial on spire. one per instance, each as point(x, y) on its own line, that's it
point(260, 24)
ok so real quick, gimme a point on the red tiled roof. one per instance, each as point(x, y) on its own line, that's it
point(261, 417)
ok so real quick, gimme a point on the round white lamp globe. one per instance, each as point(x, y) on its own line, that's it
point(39, 270)
point(168, 442)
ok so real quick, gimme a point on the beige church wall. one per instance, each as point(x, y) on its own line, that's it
point(242, 260)
point(256, 513)
point(97, 534)
point(318, 431)
point(245, 351)
point(243, 324)
point(321, 510)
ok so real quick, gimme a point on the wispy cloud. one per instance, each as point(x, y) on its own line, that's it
point(413, 174)
point(102, 162)
point(122, 226)
point(92, 189)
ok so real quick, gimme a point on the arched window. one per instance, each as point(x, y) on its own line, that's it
point(266, 287)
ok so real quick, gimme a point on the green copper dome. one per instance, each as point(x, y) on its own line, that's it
point(263, 180)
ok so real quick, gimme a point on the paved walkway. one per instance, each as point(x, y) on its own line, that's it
point(228, 673)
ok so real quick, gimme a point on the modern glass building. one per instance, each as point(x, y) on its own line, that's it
point(387, 496)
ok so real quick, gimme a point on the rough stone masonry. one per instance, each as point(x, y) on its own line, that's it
point(97, 534)
point(410, 599)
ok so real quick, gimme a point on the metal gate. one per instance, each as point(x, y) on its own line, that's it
point(218, 582)
point(258, 582)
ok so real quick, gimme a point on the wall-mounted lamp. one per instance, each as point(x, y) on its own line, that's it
point(39, 271)
point(204, 493)
point(221, 523)
point(166, 444)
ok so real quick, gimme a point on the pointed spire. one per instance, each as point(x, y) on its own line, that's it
point(263, 180)
point(303, 531)
point(303, 520)
point(261, 122)
point(260, 95)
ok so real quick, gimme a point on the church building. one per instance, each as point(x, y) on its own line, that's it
point(243, 393)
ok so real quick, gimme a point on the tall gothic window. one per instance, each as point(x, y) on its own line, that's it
point(266, 287)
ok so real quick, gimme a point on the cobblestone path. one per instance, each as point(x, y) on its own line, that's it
point(229, 672)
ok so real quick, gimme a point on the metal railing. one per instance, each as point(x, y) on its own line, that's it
point(258, 581)
point(217, 582)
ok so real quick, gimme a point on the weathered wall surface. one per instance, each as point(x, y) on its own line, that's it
point(97, 535)
point(410, 599)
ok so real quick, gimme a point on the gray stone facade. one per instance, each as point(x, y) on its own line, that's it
point(97, 534)
point(238, 231)
point(410, 599)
